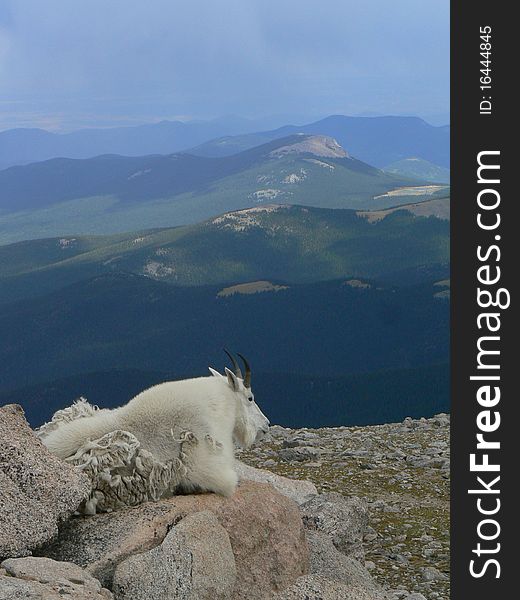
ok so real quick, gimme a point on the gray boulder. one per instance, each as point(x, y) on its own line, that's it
point(344, 520)
point(42, 578)
point(37, 489)
point(433, 574)
point(299, 454)
point(327, 561)
point(194, 562)
point(298, 490)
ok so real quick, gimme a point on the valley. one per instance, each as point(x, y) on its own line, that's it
point(322, 353)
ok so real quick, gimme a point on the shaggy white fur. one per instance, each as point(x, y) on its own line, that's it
point(175, 437)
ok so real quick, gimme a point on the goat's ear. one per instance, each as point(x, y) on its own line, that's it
point(214, 373)
point(232, 380)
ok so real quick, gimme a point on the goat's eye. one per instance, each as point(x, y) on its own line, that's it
point(250, 398)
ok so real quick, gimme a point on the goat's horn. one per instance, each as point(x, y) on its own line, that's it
point(247, 378)
point(236, 367)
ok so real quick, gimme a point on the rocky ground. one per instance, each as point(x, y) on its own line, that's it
point(372, 526)
point(402, 470)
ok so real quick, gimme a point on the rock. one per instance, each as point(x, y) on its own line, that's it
point(415, 596)
point(299, 454)
point(317, 587)
point(327, 561)
point(264, 528)
point(414, 457)
point(37, 489)
point(344, 520)
point(303, 438)
point(279, 431)
point(298, 490)
point(441, 420)
point(398, 594)
point(370, 535)
point(432, 574)
point(195, 561)
point(38, 578)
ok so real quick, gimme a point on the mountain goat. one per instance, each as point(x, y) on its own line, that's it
point(175, 437)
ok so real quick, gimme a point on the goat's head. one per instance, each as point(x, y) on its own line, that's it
point(251, 423)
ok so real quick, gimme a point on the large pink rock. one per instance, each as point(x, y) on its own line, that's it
point(264, 528)
point(195, 561)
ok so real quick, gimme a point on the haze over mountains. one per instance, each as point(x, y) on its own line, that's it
point(25, 145)
point(378, 141)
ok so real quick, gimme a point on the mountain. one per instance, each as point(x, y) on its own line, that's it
point(420, 169)
point(378, 141)
point(324, 330)
point(343, 313)
point(292, 244)
point(436, 207)
point(111, 193)
point(141, 179)
point(22, 146)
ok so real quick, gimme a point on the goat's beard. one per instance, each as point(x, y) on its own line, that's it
point(244, 436)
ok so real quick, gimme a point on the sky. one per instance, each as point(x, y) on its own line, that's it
point(66, 64)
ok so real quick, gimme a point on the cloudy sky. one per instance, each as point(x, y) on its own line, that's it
point(74, 63)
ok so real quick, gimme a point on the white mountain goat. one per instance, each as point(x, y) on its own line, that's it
point(175, 437)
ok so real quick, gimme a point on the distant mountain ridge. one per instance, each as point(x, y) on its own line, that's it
point(376, 140)
point(26, 145)
point(275, 242)
point(149, 177)
point(110, 194)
